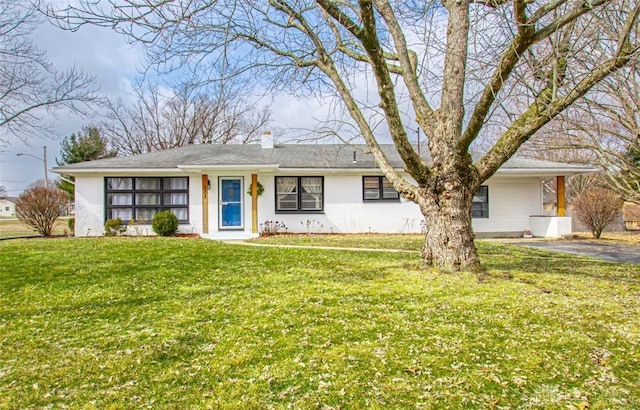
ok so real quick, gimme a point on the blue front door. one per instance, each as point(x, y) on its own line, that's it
point(230, 203)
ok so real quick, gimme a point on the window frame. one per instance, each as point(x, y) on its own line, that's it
point(299, 209)
point(485, 211)
point(381, 197)
point(133, 192)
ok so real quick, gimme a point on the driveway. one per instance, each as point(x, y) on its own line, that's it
point(606, 251)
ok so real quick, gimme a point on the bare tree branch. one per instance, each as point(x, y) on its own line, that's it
point(29, 84)
point(468, 71)
point(183, 116)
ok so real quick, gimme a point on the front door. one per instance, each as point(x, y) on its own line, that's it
point(231, 203)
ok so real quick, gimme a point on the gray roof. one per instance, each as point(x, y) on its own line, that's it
point(309, 156)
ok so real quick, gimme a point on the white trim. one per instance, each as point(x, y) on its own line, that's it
point(206, 168)
point(117, 171)
point(566, 171)
point(321, 171)
point(220, 203)
point(547, 171)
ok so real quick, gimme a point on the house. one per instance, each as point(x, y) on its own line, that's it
point(8, 207)
point(306, 188)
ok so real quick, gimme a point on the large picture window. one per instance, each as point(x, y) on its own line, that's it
point(378, 188)
point(140, 198)
point(480, 205)
point(299, 194)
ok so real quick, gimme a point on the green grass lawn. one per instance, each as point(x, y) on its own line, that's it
point(188, 323)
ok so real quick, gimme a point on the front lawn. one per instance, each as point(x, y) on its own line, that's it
point(369, 241)
point(190, 323)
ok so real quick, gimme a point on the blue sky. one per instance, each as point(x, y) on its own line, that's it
point(101, 53)
point(107, 56)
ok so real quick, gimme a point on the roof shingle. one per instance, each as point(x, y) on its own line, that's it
point(311, 156)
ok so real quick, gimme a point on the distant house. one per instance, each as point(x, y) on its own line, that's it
point(8, 207)
point(306, 188)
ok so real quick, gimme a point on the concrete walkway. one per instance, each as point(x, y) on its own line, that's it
point(606, 251)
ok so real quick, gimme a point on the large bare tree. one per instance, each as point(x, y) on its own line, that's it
point(30, 85)
point(163, 118)
point(455, 65)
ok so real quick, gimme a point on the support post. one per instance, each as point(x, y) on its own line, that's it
point(205, 204)
point(254, 203)
point(560, 196)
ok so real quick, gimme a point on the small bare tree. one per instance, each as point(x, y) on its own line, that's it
point(39, 206)
point(597, 208)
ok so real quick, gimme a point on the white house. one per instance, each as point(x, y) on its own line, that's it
point(7, 207)
point(306, 188)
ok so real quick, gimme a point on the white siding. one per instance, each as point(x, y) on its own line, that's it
point(511, 202)
point(89, 205)
point(344, 210)
point(7, 208)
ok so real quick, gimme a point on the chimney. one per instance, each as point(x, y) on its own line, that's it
point(267, 140)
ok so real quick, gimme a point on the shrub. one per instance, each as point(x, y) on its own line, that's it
point(39, 206)
point(311, 225)
point(114, 227)
point(71, 223)
point(165, 223)
point(597, 208)
point(271, 227)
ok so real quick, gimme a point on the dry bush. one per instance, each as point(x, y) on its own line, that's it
point(39, 206)
point(596, 208)
point(631, 212)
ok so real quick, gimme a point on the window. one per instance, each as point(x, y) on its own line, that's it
point(378, 189)
point(299, 194)
point(480, 205)
point(140, 198)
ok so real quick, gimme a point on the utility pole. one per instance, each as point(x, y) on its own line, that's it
point(46, 169)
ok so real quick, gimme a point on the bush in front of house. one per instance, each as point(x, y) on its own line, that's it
point(165, 223)
point(596, 208)
point(39, 206)
point(114, 227)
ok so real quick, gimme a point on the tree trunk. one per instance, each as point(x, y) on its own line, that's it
point(448, 243)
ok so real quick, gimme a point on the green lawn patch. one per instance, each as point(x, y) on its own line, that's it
point(190, 323)
point(370, 241)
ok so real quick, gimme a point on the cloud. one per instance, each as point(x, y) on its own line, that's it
point(98, 51)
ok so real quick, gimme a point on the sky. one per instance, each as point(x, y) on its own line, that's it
point(99, 52)
point(115, 64)
point(106, 55)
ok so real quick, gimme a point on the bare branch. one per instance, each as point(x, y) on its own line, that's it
point(425, 115)
point(512, 68)
point(29, 85)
